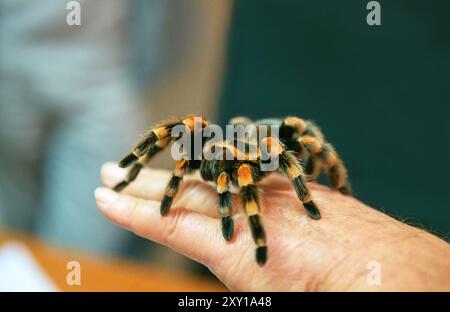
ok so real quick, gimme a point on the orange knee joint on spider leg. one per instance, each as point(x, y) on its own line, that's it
point(313, 144)
point(244, 175)
point(296, 123)
point(161, 133)
point(195, 122)
point(222, 183)
point(273, 146)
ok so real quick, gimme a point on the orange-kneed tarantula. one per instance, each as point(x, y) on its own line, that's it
point(299, 141)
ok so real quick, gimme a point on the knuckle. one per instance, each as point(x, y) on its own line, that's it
point(175, 219)
point(131, 206)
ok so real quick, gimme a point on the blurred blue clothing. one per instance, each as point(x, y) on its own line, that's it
point(67, 105)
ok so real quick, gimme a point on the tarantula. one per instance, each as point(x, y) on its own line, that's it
point(300, 141)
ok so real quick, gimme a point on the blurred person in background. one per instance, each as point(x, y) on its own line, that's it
point(72, 97)
point(66, 105)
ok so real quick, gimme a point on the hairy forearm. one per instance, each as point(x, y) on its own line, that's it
point(390, 256)
point(357, 248)
point(420, 262)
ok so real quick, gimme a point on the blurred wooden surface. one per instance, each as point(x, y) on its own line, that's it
point(105, 274)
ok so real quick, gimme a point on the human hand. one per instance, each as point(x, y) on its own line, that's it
point(325, 255)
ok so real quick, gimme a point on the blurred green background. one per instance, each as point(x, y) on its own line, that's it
point(380, 93)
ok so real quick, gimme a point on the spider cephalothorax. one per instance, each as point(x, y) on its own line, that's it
point(242, 165)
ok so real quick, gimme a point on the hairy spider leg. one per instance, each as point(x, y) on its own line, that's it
point(249, 194)
point(131, 174)
point(291, 130)
point(302, 134)
point(141, 163)
point(173, 186)
point(291, 167)
point(160, 133)
point(225, 203)
point(152, 143)
point(330, 160)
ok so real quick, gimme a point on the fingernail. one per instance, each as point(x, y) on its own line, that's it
point(113, 171)
point(105, 196)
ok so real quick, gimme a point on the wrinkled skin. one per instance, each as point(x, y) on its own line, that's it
point(304, 255)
